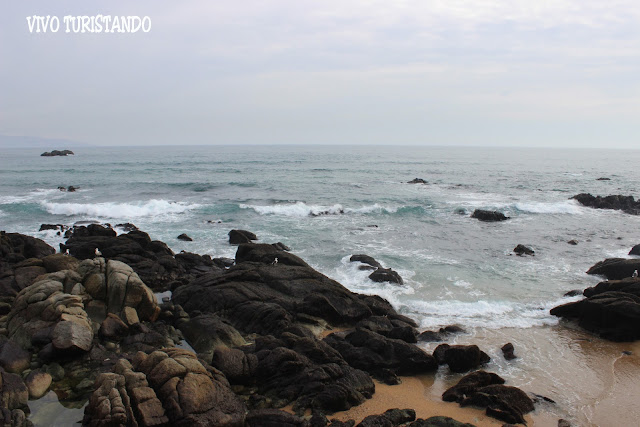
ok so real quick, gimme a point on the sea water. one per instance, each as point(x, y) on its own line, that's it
point(329, 202)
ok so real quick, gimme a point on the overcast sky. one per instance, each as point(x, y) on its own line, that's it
point(445, 72)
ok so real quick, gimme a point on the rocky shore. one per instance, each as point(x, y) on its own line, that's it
point(271, 341)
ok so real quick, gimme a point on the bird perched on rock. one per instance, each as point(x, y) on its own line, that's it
point(66, 252)
point(635, 274)
point(98, 253)
point(275, 261)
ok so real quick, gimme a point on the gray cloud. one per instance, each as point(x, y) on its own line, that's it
point(285, 71)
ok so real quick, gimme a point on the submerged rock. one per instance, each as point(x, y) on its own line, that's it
point(386, 275)
point(417, 181)
point(523, 250)
point(488, 216)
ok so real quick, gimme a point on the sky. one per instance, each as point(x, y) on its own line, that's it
point(411, 72)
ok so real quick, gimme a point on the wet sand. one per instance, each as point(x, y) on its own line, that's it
point(592, 381)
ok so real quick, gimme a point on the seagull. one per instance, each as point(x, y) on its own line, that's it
point(66, 252)
point(635, 274)
point(98, 253)
point(275, 261)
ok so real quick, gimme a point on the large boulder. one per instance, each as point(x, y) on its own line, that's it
point(13, 391)
point(611, 309)
point(386, 275)
point(488, 216)
point(487, 390)
point(615, 268)
point(166, 387)
point(237, 237)
point(462, 358)
point(20, 261)
point(635, 250)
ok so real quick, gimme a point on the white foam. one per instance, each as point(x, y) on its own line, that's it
point(38, 194)
point(301, 209)
point(484, 313)
point(564, 207)
point(149, 208)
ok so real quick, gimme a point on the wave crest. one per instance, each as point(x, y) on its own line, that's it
point(119, 210)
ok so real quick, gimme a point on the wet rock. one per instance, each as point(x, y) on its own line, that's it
point(469, 384)
point(20, 261)
point(374, 353)
point(462, 358)
point(488, 216)
point(386, 275)
point(38, 383)
point(237, 237)
point(617, 202)
point(523, 250)
point(603, 179)
point(573, 242)
point(615, 268)
point(365, 259)
point(185, 238)
point(59, 227)
point(417, 181)
point(440, 335)
point(635, 250)
point(505, 403)
point(611, 309)
point(507, 351)
point(573, 293)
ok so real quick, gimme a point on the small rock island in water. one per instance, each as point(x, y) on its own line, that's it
point(57, 153)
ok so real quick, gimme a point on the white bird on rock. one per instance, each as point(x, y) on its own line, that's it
point(635, 274)
point(275, 261)
point(98, 253)
point(66, 252)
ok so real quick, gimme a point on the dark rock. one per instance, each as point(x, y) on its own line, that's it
point(563, 423)
point(603, 179)
point(185, 238)
point(523, 250)
point(59, 262)
point(209, 332)
point(386, 275)
point(615, 268)
point(12, 357)
point(469, 384)
point(237, 237)
point(266, 254)
point(281, 246)
point(462, 358)
point(71, 188)
point(13, 391)
point(505, 403)
point(57, 153)
point(440, 335)
point(417, 181)
point(507, 351)
point(488, 216)
point(365, 259)
point(617, 202)
point(573, 293)
point(113, 328)
point(439, 352)
point(273, 418)
point(611, 309)
point(127, 227)
point(237, 366)
point(439, 421)
point(374, 353)
point(59, 227)
point(635, 250)
point(573, 242)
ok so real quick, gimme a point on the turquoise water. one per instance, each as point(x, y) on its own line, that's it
point(456, 269)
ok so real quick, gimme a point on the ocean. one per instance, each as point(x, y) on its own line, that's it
point(329, 202)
